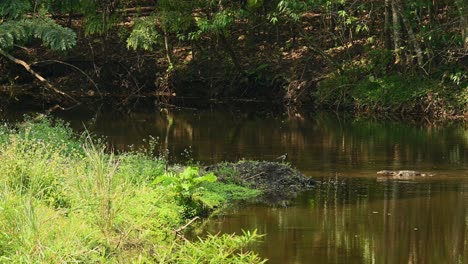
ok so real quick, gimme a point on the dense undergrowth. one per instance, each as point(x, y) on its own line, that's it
point(372, 84)
point(385, 57)
point(63, 198)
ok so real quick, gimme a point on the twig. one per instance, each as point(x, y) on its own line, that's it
point(50, 110)
point(253, 176)
point(177, 231)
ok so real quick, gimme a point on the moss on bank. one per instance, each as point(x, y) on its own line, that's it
point(63, 198)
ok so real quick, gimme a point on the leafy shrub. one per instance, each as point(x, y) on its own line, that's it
point(184, 185)
point(140, 168)
point(215, 249)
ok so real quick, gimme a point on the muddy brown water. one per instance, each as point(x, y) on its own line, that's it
point(350, 217)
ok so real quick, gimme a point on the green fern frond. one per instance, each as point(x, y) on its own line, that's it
point(53, 35)
point(12, 32)
point(14, 8)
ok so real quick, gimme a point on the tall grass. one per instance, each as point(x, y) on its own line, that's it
point(63, 198)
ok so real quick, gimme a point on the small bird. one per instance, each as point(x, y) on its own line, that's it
point(283, 157)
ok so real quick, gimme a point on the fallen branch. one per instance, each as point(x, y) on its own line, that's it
point(50, 110)
point(27, 67)
point(74, 67)
point(178, 230)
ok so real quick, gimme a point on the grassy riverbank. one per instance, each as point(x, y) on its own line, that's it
point(65, 199)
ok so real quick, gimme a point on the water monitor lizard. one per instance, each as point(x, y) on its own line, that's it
point(402, 173)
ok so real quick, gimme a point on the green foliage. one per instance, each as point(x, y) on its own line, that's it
point(13, 9)
point(32, 166)
point(216, 194)
point(198, 194)
point(292, 8)
point(170, 17)
point(140, 168)
point(229, 174)
point(370, 85)
point(174, 16)
point(254, 4)
point(99, 208)
point(16, 28)
point(52, 35)
point(186, 183)
point(366, 85)
point(53, 131)
point(219, 23)
point(14, 31)
point(66, 6)
point(216, 249)
point(184, 186)
point(99, 16)
point(96, 24)
point(144, 35)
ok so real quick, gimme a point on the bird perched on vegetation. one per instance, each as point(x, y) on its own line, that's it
point(283, 157)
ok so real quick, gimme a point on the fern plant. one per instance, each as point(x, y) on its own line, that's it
point(17, 28)
point(12, 9)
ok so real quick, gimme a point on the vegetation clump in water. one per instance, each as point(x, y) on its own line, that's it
point(278, 182)
point(64, 198)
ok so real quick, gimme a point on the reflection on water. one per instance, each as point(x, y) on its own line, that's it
point(318, 144)
point(361, 221)
point(350, 218)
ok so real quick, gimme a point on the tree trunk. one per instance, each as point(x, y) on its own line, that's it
point(396, 31)
point(388, 32)
point(168, 48)
point(463, 11)
point(232, 54)
point(464, 26)
point(411, 35)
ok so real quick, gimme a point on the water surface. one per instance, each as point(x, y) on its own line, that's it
point(350, 217)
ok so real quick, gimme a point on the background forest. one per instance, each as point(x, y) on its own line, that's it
point(404, 56)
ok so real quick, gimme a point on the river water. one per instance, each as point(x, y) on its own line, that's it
point(352, 216)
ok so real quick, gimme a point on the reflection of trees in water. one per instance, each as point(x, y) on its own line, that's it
point(363, 222)
point(425, 224)
point(322, 142)
point(392, 144)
